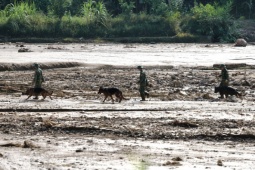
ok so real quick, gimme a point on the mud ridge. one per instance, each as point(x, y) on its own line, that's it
point(81, 110)
point(29, 66)
point(147, 128)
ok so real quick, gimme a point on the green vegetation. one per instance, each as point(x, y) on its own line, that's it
point(211, 20)
point(132, 20)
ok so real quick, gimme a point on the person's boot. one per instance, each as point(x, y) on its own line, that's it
point(143, 98)
point(147, 94)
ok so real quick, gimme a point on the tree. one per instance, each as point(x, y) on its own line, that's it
point(59, 7)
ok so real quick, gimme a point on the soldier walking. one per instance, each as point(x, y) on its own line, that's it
point(38, 78)
point(224, 76)
point(143, 83)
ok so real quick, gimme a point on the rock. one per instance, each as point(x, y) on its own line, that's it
point(177, 159)
point(29, 144)
point(219, 163)
point(183, 93)
point(240, 43)
point(24, 50)
point(79, 150)
point(177, 83)
point(172, 163)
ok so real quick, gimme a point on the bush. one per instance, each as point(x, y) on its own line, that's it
point(77, 27)
point(141, 25)
point(210, 20)
point(174, 20)
point(93, 21)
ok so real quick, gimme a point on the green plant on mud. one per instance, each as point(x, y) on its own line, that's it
point(140, 164)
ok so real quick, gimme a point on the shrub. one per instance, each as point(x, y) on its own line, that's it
point(141, 25)
point(174, 20)
point(210, 20)
point(75, 27)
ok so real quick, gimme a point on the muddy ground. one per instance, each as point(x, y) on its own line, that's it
point(182, 125)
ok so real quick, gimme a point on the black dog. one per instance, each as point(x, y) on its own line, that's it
point(224, 90)
point(109, 92)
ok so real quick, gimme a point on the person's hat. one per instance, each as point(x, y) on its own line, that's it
point(222, 65)
point(139, 67)
point(36, 65)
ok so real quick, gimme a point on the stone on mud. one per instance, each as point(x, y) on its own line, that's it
point(240, 42)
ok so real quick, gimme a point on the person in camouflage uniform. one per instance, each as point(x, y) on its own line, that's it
point(224, 76)
point(38, 78)
point(143, 83)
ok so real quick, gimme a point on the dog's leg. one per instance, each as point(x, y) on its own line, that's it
point(105, 98)
point(112, 98)
point(238, 95)
point(44, 96)
point(120, 97)
point(221, 95)
point(28, 97)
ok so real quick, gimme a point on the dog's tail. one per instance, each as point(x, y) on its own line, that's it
point(241, 95)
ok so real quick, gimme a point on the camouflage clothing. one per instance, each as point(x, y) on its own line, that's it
point(224, 76)
point(38, 78)
point(143, 83)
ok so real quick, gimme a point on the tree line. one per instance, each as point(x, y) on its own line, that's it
point(124, 18)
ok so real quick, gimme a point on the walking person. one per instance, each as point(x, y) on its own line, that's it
point(143, 83)
point(38, 78)
point(224, 76)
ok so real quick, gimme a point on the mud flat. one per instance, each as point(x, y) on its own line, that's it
point(183, 125)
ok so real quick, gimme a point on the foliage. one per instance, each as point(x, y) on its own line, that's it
point(176, 5)
point(141, 25)
point(240, 8)
point(122, 18)
point(210, 20)
point(59, 7)
point(18, 16)
point(95, 12)
point(174, 19)
point(126, 7)
point(157, 7)
point(73, 26)
point(244, 9)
